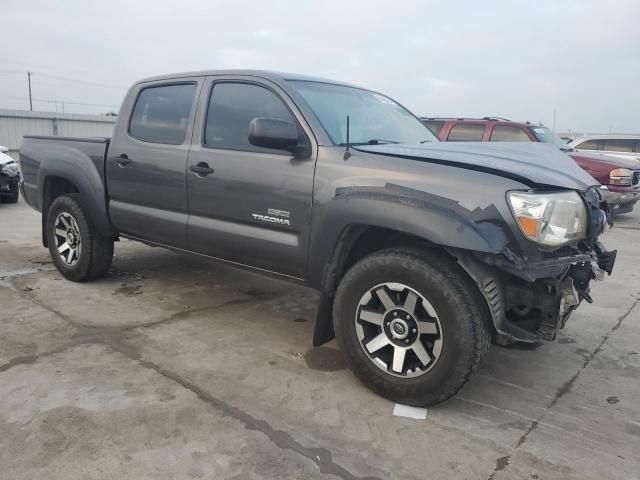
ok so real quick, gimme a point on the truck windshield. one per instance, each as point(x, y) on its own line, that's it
point(544, 135)
point(373, 118)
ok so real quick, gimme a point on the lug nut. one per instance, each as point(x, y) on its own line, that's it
point(408, 317)
point(414, 331)
point(406, 341)
point(395, 314)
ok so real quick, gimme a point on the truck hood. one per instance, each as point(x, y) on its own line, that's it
point(605, 161)
point(534, 164)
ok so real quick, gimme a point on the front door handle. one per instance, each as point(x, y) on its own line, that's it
point(202, 169)
point(122, 159)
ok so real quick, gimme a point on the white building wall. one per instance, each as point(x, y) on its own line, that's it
point(14, 124)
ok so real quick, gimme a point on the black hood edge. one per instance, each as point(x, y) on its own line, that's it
point(477, 168)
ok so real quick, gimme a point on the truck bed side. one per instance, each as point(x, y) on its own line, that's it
point(51, 165)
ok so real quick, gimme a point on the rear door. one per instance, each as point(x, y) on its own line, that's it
point(146, 166)
point(250, 205)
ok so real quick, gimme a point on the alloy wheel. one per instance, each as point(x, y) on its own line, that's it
point(399, 330)
point(67, 238)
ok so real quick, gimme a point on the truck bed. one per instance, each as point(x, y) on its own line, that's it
point(42, 156)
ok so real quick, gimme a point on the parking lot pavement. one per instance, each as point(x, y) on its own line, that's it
point(175, 367)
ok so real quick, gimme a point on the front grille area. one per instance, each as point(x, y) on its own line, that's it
point(636, 178)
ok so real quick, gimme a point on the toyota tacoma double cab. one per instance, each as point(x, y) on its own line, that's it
point(424, 253)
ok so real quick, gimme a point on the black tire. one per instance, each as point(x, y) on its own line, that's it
point(463, 315)
point(96, 252)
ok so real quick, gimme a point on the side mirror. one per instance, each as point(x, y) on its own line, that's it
point(273, 133)
point(3, 149)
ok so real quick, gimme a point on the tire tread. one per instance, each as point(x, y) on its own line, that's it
point(99, 249)
point(462, 290)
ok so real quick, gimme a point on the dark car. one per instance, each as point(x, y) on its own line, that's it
point(423, 252)
point(620, 177)
point(9, 178)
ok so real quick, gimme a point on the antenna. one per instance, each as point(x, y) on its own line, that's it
point(347, 153)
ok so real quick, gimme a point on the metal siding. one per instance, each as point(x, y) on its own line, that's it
point(14, 124)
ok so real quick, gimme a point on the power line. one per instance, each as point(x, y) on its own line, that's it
point(61, 101)
point(95, 84)
point(68, 79)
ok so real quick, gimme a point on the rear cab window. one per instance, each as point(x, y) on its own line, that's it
point(508, 133)
point(466, 132)
point(161, 113)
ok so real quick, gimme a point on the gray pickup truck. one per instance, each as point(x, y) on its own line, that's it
point(424, 253)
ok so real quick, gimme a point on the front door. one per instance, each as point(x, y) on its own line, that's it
point(248, 204)
point(146, 168)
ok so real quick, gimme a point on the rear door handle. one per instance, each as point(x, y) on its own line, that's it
point(202, 169)
point(122, 159)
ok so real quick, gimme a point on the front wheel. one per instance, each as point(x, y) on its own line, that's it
point(77, 249)
point(413, 327)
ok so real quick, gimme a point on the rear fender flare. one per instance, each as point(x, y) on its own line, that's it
point(78, 169)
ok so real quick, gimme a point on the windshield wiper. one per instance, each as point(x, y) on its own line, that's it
point(373, 141)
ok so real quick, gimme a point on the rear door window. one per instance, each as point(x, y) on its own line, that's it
point(466, 132)
point(161, 114)
point(508, 133)
point(619, 145)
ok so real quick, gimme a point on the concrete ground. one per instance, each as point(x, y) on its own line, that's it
point(175, 367)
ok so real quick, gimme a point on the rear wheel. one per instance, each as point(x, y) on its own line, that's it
point(77, 250)
point(413, 327)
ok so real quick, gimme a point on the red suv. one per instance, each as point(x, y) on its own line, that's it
point(620, 177)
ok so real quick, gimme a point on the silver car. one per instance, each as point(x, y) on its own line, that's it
point(621, 146)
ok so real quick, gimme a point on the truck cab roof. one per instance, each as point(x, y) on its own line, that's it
point(276, 77)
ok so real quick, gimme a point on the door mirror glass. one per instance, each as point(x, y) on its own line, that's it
point(273, 133)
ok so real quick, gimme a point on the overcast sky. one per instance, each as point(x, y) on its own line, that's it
point(517, 59)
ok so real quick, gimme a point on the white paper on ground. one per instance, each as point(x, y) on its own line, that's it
point(410, 412)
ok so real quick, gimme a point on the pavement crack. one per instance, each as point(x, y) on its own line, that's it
point(322, 457)
point(116, 338)
point(503, 462)
point(184, 314)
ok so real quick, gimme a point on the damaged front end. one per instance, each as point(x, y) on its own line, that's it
point(532, 295)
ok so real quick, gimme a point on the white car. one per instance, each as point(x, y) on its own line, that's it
point(622, 146)
point(9, 178)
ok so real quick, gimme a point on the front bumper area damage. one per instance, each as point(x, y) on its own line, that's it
point(532, 298)
point(536, 304)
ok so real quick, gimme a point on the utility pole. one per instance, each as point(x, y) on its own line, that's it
point(30, 100)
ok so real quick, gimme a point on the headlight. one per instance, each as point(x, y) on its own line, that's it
point(551, 219)
point(10, 169)
point(620, 176)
